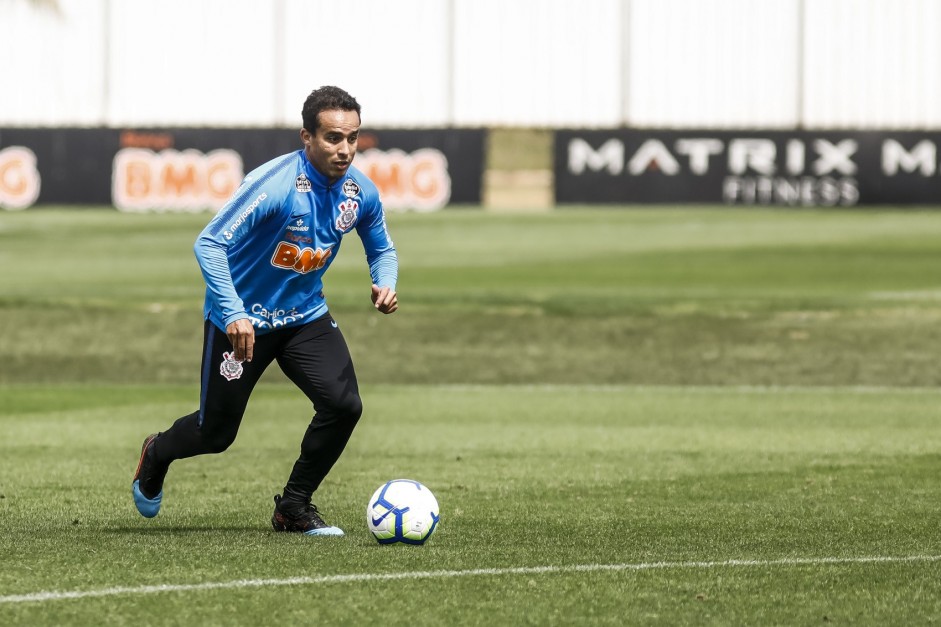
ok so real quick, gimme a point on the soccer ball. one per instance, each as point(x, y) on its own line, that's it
point(402, 510)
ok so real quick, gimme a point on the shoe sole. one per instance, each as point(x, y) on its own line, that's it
point(326, 531)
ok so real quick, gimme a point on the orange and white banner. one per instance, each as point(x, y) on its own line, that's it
point(197, 169)
point(20, 182)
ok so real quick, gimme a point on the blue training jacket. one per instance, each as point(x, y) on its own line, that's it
point(264, 254)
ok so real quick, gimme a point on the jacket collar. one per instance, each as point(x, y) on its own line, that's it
point(316, 178)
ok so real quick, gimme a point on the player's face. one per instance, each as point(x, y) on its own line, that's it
point(332, 146)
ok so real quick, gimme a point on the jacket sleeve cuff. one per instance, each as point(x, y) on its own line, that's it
point(236, 316)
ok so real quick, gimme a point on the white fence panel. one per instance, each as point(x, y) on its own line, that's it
point(180, 62)
point(53, 69)
point(873, 64)
point(394, 57)
point(713, 63)
point(554, 62)
point(413, 63)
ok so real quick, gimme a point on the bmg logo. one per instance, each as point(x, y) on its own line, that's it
point(303, 260)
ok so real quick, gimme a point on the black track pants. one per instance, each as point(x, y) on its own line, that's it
point(315, 357)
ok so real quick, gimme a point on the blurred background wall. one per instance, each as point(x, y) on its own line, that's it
point(771, 64)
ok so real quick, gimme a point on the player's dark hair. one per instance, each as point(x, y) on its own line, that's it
point(326, 98)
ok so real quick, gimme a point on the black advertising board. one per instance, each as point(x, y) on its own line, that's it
point(195, 169)
point(781, 168)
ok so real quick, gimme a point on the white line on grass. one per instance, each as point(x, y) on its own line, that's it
point(39, 597)
point(707, 389)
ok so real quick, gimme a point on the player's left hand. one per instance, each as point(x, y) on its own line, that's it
point(384, 299)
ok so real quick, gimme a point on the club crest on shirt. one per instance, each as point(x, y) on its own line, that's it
point(350, 188)
point(302, 183)
point(231, 368)
point(347, 217)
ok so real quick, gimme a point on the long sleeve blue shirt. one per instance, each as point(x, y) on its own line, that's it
point(264, 254)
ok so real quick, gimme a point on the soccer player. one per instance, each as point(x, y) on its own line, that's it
point(263, 257)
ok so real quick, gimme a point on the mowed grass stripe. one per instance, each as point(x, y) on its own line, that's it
point(638, 390)
point(696, 296)
point(40, 597)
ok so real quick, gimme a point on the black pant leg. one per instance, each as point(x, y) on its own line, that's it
point(223, 398)
point(318, 361)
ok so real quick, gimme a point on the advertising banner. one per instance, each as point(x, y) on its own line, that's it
point(196, 169)
point(780, 168)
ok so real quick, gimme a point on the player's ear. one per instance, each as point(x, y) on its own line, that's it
point(306, 136)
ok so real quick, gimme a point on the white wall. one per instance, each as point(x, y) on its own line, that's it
point(392, 56)
point(545, 63)
point(716, 63)
point(183, 62)
point(654, 63)
point(53, 66)
point(874, 63)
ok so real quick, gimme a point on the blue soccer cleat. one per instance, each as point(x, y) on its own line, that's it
point(151, 474)
point(148, 508)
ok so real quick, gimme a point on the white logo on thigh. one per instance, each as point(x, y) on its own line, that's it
point(231, 368)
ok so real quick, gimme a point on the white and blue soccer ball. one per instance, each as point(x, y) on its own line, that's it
point(402, 510)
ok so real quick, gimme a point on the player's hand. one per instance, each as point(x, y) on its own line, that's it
point(242, 337)
point(384, 299)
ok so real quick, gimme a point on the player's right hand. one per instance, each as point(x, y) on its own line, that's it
point(384, 299)
point(242, 337)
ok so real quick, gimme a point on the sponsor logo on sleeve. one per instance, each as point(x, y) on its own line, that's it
point(229, 233)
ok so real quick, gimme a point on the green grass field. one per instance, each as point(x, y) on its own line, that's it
point(644, 416)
